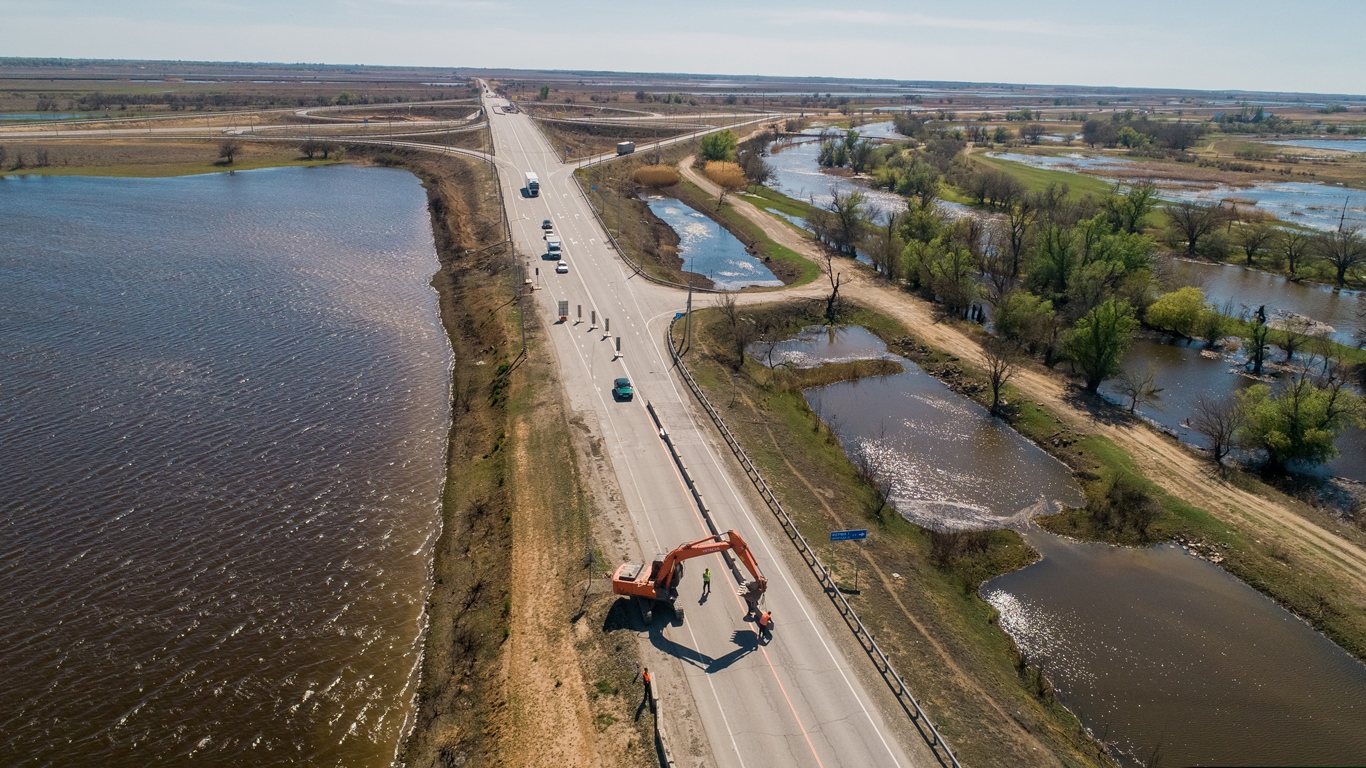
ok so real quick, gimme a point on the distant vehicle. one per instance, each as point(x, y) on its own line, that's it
point(625, 147)
point(622, 390)
point(533, 184)
point(562, 268)
point(552, 244)
point(547, 224)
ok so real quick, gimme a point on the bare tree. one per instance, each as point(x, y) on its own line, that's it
point(1139, 386)
point(314, 147)
point(1343, 248)
point(832, 301)
point(740, 328)
point(1295, 246)
point(1019, 221)
point(845, 211)
point(1258, 339)
point(1218, 421)
point(867, 467)
point(1003, 361)
point(228, 150)
point(996, 265)
point(1191, 222)
point(1254, 238)
point(884, 243)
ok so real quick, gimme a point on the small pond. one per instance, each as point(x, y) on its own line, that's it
point(708, 249)
point(1164, 654)
point(951, 465)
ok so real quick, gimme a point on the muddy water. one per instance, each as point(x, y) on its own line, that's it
point(952, 465)
point(708, 249)
point(1161, 653)
point(223, 407)
point(1247, 289)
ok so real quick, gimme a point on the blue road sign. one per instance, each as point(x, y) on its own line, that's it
point(851, 535)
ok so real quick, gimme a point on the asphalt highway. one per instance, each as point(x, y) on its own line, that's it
point(793, 701)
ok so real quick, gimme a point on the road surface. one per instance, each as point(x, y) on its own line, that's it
point(794, 701)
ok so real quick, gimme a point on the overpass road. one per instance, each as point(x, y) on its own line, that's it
point(794, 701)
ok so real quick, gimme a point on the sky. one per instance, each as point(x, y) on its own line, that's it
point(1308, 46)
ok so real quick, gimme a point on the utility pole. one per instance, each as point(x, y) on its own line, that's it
point(687, 322)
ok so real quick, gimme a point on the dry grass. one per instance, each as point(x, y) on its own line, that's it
point(724, 174)
point(655, 175)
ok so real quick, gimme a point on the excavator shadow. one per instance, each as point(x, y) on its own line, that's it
point(745, 643)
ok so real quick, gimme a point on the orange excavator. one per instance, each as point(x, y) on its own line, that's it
point(660, 582)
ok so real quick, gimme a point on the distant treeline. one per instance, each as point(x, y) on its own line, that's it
point(98, 101)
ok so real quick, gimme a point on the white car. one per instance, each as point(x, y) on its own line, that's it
point(562, 268)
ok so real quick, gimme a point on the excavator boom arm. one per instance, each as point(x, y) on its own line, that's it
point(636, 579)
point(730, 540)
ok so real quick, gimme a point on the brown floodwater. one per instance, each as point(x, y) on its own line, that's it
point(951, 465)
point(223, 410)
point(1164, 654)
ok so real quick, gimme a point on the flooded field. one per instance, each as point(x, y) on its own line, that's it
point(797, 174)
point(1247, 289)
point(1310, 204)
point(708, 249)
point(1334, 145)
point(951, 465)
point(225, 403)
point(1186, 372)
point(1174, 662)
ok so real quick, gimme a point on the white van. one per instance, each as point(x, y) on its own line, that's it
point(552, 244)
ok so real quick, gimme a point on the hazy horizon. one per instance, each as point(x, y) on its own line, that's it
point(1213, 46)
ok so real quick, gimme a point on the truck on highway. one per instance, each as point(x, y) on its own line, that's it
point(533, 184)
point(625, 147)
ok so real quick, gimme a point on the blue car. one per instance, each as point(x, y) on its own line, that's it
point(621, 389)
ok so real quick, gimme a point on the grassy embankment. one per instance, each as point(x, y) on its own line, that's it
point(1038, 179)
point(515, 669)
point(776, 202)
point(918, 596)
point(646, 239)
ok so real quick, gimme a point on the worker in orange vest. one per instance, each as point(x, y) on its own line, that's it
point(765, 623)
point(646, 677)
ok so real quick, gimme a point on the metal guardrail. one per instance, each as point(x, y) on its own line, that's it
point(865, 639)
